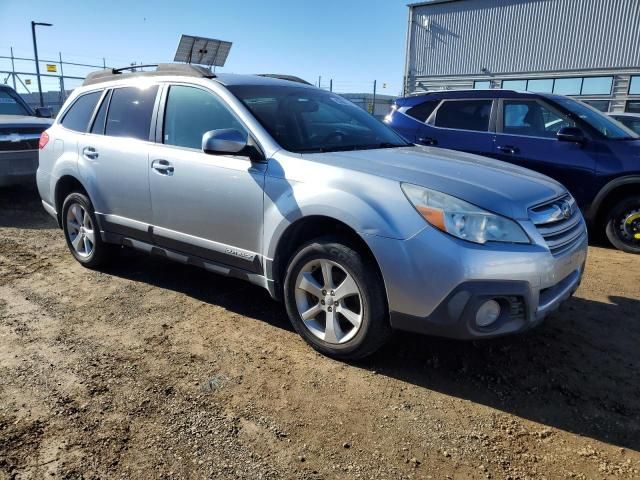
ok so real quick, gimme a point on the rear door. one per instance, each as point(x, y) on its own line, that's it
point(461, 124)
point(526, 136)
point(113, 159)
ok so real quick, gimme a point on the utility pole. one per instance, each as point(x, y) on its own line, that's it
point(319, 80)
point(35, 53)
point(13, 70)
point(331, 85)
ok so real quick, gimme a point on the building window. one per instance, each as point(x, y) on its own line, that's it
point(597, 85)
point(602, 105)
point(482, 84)
point(633, 107)
point(541, 85)
point(634, 87)
point(514, 84)
point(567, 86)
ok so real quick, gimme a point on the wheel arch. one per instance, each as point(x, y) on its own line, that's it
point(65, 185)
point(306, 229)
point(610, 194)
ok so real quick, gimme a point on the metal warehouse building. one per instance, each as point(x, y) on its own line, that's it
point(588, 49)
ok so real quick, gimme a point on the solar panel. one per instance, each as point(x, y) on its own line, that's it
point(202, 51)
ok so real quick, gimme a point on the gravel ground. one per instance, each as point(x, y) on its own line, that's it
point(156, 370)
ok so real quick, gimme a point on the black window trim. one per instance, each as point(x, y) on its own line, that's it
point(161, 111)
point(491, 128)
point(92, 120)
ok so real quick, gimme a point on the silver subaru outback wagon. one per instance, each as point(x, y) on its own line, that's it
point(301, 192)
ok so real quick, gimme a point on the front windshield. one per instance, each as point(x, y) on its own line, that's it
point(305, 119)
point(10, 105)
point(598, 120)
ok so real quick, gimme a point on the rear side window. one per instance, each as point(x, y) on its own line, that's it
point(464, 115)
point(130, 112)
point(190, 113)
point(78, 116)
point(423, 110)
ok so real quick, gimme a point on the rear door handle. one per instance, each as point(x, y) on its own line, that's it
point(427, 141)
point(89, 153)
point(508, 149)
point(163, 167)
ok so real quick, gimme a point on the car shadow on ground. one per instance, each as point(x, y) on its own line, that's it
point(20, 207)
point(579, 371)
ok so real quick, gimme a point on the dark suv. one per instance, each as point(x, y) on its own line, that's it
point(20, 129)
point(596, 158)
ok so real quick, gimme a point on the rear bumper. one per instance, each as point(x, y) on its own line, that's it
point(18, 167)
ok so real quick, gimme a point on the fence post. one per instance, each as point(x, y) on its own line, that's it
point(331, 85)
point(319, 80)
point(63, 92)
point(13, 70)
point(373, 109)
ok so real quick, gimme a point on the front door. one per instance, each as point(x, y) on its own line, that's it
point(210, 206)
point(526, 136)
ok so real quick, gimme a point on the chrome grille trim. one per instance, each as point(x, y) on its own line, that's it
point(560, 223)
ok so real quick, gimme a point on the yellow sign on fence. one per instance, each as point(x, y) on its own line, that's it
point(27, 81)
point(52, 67)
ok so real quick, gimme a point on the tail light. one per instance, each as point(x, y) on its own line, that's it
point(44, 139)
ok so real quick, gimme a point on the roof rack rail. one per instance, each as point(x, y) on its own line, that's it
point(291, 78)
point(161, 69)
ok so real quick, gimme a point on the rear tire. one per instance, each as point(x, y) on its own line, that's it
point(623, 225)
point(81, 231)
point(335, 299)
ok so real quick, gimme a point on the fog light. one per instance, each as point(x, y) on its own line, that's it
point(488, 313)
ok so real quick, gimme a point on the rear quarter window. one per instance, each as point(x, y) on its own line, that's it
point(422, 111)
point(78, 116)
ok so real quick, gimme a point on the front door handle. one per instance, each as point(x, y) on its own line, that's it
point(89, 153)
point(163, 167)
point(427, 141)
point(508, 149)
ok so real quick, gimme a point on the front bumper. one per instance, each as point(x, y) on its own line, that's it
point(436, 283)
point(18, 167)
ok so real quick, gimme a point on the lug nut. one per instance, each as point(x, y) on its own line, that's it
point(332, 293)
point(321, 302)
point(324, 292)
point(330, 309)
point(335, 303)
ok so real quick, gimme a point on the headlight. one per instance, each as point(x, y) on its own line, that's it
point(462, 219)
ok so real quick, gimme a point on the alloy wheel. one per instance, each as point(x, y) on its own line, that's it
point(80, 230)
point(329, 301)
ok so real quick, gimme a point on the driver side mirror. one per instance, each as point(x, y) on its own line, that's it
point(44, 112)
point(571, 134)
point(223, 141)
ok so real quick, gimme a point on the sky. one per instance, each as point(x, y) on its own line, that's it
point(354, 42)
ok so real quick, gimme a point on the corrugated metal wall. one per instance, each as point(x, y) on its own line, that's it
point(513, 36)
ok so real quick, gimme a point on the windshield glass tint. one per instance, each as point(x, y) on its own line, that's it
point(10, 105)
point(305, 119)
point(598, 120)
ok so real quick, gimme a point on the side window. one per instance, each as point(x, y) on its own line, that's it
point(464, 115)
point(423, 110)
point(101, 116)
point(130, 112)
point(190, 112)
point(78, 116)
point(532, 119)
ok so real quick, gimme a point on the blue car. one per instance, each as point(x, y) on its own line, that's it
point(596, 158)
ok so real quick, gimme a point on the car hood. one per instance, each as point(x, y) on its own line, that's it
point(19, 121)
point(497, 186)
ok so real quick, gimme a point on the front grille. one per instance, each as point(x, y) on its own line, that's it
point(20, 138)
point(560, 223)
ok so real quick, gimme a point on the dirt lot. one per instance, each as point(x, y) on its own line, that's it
point(156, 370)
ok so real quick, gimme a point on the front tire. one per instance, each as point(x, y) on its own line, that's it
point(81, 231)
point(335, 299)
point(623, 225)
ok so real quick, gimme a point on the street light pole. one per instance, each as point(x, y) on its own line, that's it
point(35, 53)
